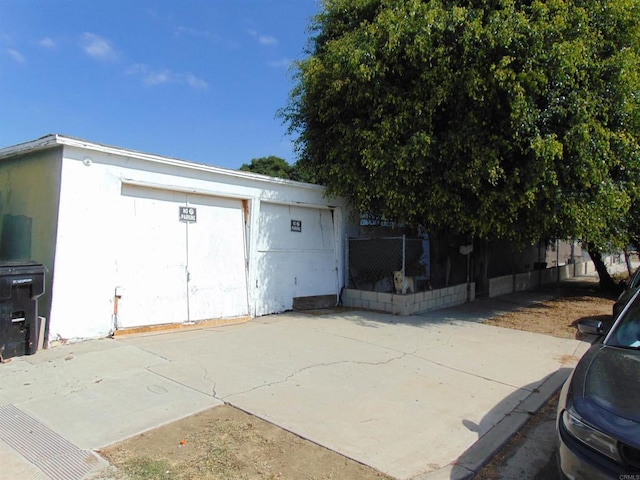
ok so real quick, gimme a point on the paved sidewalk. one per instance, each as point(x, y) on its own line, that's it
point(422, 397)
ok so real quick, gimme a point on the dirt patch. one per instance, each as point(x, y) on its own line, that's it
point(226, 443)
point(558, 317)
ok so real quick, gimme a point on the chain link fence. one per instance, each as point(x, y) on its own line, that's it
point(388, 264)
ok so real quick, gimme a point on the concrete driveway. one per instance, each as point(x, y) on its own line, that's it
point(423, 397)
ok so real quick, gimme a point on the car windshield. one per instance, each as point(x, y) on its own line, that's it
point(626, 332)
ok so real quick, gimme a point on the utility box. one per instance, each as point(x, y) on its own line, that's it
point(21, 283)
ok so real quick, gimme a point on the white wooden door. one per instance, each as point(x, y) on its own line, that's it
point(296, 256)
point(216, 257)
point(170, 270)
point(152, 262)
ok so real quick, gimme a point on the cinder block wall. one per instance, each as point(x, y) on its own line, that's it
point(411, 303)
point(528, 280)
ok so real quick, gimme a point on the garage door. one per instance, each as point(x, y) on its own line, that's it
point(216, 259)
point(175, 268)
point(296, 256)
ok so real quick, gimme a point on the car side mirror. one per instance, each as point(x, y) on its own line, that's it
point(591, 326)
point(623, 284)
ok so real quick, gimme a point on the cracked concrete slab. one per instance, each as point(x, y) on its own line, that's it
point(410, 396)
point(380, 389)
point(273, 352)
point(392, 416)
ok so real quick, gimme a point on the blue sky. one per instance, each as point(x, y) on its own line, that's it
point(199, 80)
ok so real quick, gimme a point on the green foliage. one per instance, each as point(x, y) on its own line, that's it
point(492, 118)
point(278, 167)
point(271, 166)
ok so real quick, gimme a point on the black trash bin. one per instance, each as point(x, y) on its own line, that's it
point(21, 283)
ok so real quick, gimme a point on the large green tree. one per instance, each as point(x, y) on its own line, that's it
point(490, 118)
point(277, 167)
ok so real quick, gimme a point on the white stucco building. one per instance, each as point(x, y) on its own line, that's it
point(134, 240)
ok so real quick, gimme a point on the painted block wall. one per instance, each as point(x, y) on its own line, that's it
point(29, 211)
point(409, 304)
point(84, 273)
point(529, 280)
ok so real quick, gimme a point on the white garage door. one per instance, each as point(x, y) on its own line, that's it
point(172, 270)
point(216, 253)
point(296, 256)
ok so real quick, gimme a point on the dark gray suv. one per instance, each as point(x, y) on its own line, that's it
point(598, 420)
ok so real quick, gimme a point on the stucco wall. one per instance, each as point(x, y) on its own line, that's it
point(29, 197)
point(90, 230)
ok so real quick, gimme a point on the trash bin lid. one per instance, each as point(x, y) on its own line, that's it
point(21, 274)
point(21, 267)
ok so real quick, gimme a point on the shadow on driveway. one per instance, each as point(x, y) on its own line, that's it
point(496, 436)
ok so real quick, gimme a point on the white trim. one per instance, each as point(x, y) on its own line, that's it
point(42, 143)
point(51, 141)
point(181, 189)
point(300, 204)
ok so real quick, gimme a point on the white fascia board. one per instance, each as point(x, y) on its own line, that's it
point(294, 203)
point(42, 143)
point(216, 193)
point(183, 189)
point(51, 141)
point(78, 143)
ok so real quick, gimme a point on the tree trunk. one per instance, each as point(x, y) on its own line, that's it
point(481, 267)
point(627, 259)
point(606, 282)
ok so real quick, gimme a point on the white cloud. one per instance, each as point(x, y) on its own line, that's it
point(47, 43)
point(195, 82)
point(282, 63)
point(267, 40)
point(152, 77)
point(149, 77)
point(16, 55)
point(97, 47)
point(156, 78)
point(263, 39)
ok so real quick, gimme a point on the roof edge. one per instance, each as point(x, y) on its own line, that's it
point(53, 140)
point(42, 143)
